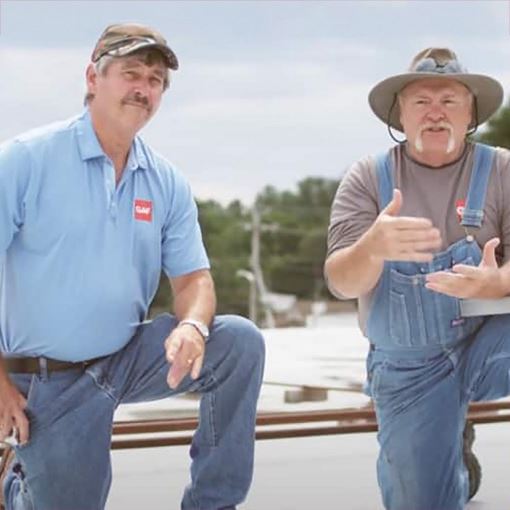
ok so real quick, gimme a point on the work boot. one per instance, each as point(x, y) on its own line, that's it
point(470, 461)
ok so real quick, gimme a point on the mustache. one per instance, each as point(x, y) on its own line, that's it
point(418, 142)
point(441, 124)
point(137, 100)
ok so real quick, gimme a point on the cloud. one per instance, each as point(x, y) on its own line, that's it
point(238, 124)
point(282, 102)
point(39, 86)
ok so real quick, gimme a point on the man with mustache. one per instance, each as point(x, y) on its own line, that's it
point(89, 217)
point(412, 232)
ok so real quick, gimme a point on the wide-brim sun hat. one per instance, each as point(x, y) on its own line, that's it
point(435, 63)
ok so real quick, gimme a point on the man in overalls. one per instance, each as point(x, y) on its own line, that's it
point(412, 232)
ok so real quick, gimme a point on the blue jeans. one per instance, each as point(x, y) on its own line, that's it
point(66, 463)
point(421, 402)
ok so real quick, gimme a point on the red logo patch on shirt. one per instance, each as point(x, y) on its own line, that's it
point(143, 209)
point(459, 208)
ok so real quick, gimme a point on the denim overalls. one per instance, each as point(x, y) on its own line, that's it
point(427, 362)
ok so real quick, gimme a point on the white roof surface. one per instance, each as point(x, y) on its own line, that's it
point(319, 473)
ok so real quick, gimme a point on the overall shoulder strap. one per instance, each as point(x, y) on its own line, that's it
point(384, 168)
point(482, 167)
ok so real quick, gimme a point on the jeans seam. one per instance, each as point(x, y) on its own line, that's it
point(212, 413)
point(422, 326)
point(103, 388)
point(496, 357)
point(194, 499)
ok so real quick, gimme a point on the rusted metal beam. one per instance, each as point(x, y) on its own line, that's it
point(346, 421)
point(282, 418)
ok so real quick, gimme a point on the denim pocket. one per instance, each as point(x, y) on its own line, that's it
point(400, 329)
point(31, 395)
point(407, 309)
point(449, 319)
point(50, 399)
point(451, 325)
point(27, 386)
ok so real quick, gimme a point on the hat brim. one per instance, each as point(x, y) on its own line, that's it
point(168, 54)
point(382, 98)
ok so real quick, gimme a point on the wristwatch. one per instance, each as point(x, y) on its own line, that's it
point(199, 326)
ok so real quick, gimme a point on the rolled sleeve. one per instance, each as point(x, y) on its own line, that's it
point(183, 250)
point(354, 207)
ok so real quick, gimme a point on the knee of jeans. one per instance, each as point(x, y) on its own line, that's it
point(247, 338)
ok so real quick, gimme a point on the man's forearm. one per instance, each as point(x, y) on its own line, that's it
point(196, 299)
point(353, 271)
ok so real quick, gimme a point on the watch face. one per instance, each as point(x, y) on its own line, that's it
point(204, 330)
point(200, 326)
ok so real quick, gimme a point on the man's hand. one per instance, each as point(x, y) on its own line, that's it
point(463, 281)
point(12, 414)
point(185, 349)
point(406, 238)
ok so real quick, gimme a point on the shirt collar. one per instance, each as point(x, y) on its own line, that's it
point(87, 140)
point(137, 158)
point(90, 148)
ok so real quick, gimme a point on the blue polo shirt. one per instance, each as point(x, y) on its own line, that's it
point(81, 257)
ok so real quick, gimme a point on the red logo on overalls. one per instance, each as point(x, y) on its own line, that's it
point(459, 208)
point(143, 209)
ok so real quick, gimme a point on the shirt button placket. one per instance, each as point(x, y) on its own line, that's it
point(109, 174)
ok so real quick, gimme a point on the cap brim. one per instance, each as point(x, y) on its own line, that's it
point(168, 54)
point(382, 98)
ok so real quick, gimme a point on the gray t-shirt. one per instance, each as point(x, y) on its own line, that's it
point(433, 193)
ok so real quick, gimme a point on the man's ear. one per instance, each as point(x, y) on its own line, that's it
point(398, 104)
point(91, 78)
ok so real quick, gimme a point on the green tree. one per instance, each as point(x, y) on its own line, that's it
point(227, 242)
point(292, 251)
point(497, 132)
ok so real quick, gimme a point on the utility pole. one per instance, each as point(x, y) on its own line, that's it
point(252, 303)
point(256, 267)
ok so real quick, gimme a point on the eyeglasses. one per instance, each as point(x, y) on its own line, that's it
point(429, 65)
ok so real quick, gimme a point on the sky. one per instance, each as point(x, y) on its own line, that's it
point(267, 93)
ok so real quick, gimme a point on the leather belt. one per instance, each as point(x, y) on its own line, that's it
point(36, 365)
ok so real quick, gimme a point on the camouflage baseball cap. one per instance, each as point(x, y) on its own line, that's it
point(126, 38)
